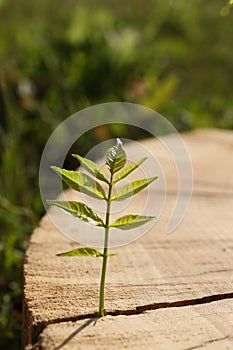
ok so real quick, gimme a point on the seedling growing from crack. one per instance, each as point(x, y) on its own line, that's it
point(115, 163)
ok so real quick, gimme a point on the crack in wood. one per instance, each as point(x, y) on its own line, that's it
point(208, 342)
point(180, 303)
point(38, 328)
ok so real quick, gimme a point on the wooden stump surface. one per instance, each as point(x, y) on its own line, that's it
point(162, 291)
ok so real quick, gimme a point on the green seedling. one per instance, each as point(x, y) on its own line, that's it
point(116, 164)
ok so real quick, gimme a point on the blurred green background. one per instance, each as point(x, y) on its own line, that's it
point(57, 57)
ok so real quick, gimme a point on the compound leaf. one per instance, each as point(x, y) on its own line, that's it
point(115, 157)
point(125, 172)
point(91, 167)
point(79, 210)
point(81, 182)
point(130, 221)
point(132, 188)
point(82, 252)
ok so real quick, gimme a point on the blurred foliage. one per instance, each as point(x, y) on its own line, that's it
point(174, 56)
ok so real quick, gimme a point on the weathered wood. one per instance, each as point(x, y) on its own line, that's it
point(193, 265)
point(207, 326)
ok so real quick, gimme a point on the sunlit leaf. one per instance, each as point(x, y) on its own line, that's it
point(79, 210)
point(82, 252)
point(132, 188)
point(81, 182)
point(125, 172)
point(115, 158)
point(91, 167)
point(130, 221)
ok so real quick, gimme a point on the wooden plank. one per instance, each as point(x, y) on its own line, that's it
point(211, 156)
point(192, 265)
point(186, 265)
point(208, 326)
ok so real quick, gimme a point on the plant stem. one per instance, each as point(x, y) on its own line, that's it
point(105, 254)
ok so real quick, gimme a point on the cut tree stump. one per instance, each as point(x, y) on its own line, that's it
point(162, 291)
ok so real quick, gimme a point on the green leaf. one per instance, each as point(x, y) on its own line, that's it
point(81, 182)
point(115, 157)
point(91, 167)
point(79, 210)
point(132, 188)
point(82, 252)
point(130, 221)
point(125, 172)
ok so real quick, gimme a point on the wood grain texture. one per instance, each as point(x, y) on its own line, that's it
point(206, 326)
point(166, 273)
